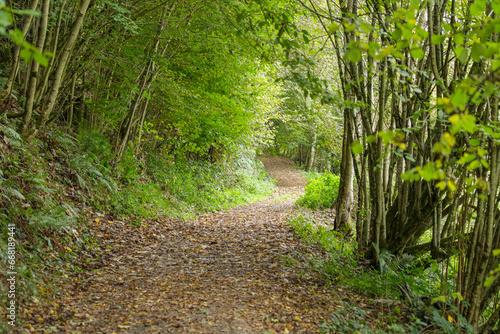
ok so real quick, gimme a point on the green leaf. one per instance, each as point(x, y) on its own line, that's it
point(410, 175)
point(462, 54)
point(482, 152)
point(27, 12)
point(422, 33)
point(39, 58)
point(495, 65)
point(476, 10)
point(417, 53)
point(354, 54)
point(333, 27)
point(466, 158)
point(428, 172)
point(454, 119)
point(411, 158)
point(496, 252)
point(437, 39)
point(448, 139)
point(477, 51)
point(386, 136)
point(496, 7)
point(416, 89)
point(26, 54)
point(468, 123)
point(16, 36)
point(485, 164)
point(396, 34)
point(474, 142)
point(5, 18)
point(489, 280)
point(459, 39)
point(402, 44)
point(356, 147)
point(441, 185)
point(459, 98)
point(438, 299)
point(474, 165)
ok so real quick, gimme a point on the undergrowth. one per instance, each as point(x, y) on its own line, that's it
point(343, 268)
point(320, 192)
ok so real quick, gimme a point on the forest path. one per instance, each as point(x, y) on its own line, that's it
point(223, 272)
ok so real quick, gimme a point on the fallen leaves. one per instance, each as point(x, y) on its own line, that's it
point(220, 272)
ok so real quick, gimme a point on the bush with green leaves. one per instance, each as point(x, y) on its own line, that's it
point(320, 192)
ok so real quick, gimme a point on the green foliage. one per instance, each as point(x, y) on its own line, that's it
point(342, 268)
point(320, 192)
point(26, 190)
point(28, 50)
point(96, 145)
point(494, 274)
point(449, 322)
point(160, 184)
point(191, 187)
point(328, 239)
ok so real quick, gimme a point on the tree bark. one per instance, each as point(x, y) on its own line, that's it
point(343, 203)
point(30, 96)
point(15, 56)
point(61, 69)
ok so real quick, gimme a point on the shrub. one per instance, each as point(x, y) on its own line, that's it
point(320, 191)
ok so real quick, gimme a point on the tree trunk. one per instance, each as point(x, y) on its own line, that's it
point(30, 96)
point(61, 68)
point(72, 102)
point(15, 56)
point(312, 156)
point(343, 204)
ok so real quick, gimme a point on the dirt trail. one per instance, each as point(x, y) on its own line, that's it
point(281, 169)
point(224, 272)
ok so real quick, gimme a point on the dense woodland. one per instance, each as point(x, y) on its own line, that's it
point(399, 98)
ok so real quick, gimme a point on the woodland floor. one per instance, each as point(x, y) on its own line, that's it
point(223, 272)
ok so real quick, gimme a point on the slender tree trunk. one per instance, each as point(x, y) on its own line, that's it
point(312, 156)
point(30, 96)
point(72, 102)
point(61, 68)
point(15, 55)
point(43, 87)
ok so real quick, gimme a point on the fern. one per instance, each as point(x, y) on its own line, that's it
point(67, 140)
point(389, 262)
point(14, 137)
point(52, 219)
point(14, 192)
point(400, 263)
